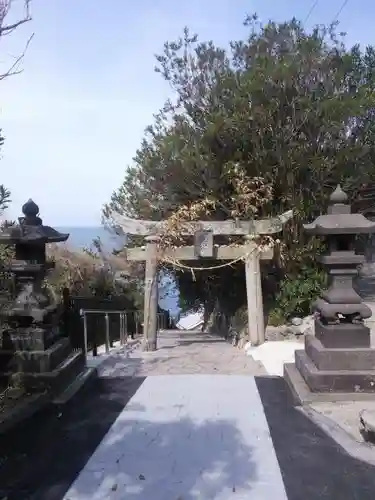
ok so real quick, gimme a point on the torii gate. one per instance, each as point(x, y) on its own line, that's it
point(204, 247)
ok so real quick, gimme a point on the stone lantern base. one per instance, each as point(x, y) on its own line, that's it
point(51, 369)
point(322, 373)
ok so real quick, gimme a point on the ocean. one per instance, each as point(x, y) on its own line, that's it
point(82, 237)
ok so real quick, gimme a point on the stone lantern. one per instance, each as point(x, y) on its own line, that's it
point(338, 362)
point(33, 347)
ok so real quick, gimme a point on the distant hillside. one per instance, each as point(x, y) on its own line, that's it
point(82, 237)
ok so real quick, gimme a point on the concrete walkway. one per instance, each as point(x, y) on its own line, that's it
point(186, 437)
point(196, 420)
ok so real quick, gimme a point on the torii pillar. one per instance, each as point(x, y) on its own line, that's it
point(151, 298)
point(256, 328)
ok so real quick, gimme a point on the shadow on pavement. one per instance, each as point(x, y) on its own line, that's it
point(179, 459)
point(40, 459)
point(313, 465)
point(161, 459)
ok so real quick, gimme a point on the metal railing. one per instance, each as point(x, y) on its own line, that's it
point(123, 327)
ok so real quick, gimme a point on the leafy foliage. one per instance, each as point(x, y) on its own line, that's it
point(6, 253)
point(4, 198)
point(87, 274)
point(296, 296)
point(290, 108)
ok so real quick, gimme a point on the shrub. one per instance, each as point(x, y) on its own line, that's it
point(297, 295)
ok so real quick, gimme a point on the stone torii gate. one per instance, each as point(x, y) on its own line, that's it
point(204, 247)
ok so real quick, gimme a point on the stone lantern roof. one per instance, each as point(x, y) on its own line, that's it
point(340, 220)
point(30, 229)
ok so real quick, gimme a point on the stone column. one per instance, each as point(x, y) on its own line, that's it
point(254, 294)
point(151, 294)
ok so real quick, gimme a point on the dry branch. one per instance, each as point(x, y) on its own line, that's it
point(80, 270)
point(7, 29)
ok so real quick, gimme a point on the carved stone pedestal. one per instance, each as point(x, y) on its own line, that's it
point(51, 369)
point(331, 374)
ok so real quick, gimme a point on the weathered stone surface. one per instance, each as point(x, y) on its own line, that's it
point(334, 380)
point(293, 330)
point(182, 352)
point(345, 335)
point(52, 381)
point(288, 332)
point(33, 338)
point(345, 415)
point(296, 321)
point(40, 360)
point(276, 333)
point(303, 395)
point(339, 359)
point(331, 311)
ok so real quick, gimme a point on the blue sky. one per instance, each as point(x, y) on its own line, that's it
point(76, 115)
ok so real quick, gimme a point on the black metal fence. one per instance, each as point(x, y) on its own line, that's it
point(91, 322)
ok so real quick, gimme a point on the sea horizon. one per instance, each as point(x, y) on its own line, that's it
point(83, 236)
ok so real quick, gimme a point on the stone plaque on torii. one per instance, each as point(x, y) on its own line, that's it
point(204, 247)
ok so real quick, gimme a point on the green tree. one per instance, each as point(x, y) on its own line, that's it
point(271, 124)
point(5, 252)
